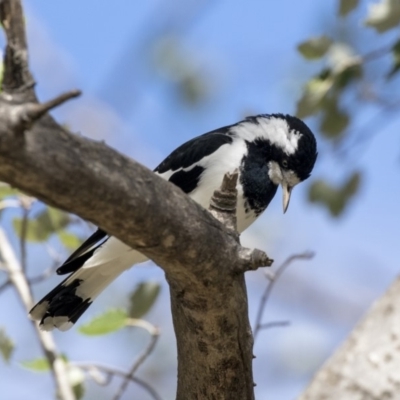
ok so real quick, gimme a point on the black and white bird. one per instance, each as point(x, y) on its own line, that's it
point(268, 150)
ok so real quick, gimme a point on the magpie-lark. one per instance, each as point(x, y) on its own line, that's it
point(268, 150)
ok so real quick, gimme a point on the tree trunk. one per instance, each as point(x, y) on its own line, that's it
point(367, 365)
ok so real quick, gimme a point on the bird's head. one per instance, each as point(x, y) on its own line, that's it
point(292, 150)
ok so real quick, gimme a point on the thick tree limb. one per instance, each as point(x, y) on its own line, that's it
point(367, 365)
point(202, 259)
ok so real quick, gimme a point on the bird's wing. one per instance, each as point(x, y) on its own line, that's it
point(183, 166)
point(83, 252)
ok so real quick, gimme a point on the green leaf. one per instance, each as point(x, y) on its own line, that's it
point(69, 240)
point(7, 191)
point(41, 227)
point(179, 67)
point(193, 88)
point(110, 321)
point(334, 120)
point(38, 365)
point(351, 186)
point(396, 60)
point(143, 298)
point(6, 345)
point(313, 96)
point(346, 6)
point(335, 199)
point(34, 232)
point(315, 48)
point(383, 15)
point(347, 75)
point(53, 219)
point(79, 390)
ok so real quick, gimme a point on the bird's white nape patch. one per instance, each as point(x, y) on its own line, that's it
point(276, 130)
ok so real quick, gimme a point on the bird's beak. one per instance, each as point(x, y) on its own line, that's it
point(286, 191)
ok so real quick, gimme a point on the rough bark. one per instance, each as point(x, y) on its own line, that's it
point(367, 365)
point(203, 260)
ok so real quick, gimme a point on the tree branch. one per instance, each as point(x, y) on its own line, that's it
point(18, 280)
point(272, 279)
point(154, 335)
point(30, 112)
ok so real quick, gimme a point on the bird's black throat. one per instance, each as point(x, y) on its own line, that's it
point(258, 189)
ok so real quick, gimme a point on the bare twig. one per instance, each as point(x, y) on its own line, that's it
point(154, 333)
point(57, 259)
point(368, 130)
point(21, 117)
point(34, 111)
point(43, 276)
point(274, 324)
point(377, 53)
point(273, 277)
point(5, 285)
point(20, 283)
point(93, 371)
point(253, 259)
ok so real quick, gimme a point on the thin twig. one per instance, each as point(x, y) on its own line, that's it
point(377, 53)
point(372, 127)
point(20, 283)
point(111, 371)
point(274, 324)
point(154, 333)
point(57, 259)
point(273, 278)
point(5, 285)
point(43, 276)
point(33, 111)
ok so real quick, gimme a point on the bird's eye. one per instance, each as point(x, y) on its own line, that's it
point(284, 163)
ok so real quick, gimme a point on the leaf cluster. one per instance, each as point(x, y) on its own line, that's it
point(325, 96)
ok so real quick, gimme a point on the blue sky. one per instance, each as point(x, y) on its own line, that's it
point(245, 52)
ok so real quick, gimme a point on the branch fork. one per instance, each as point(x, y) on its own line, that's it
point(22, 116)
